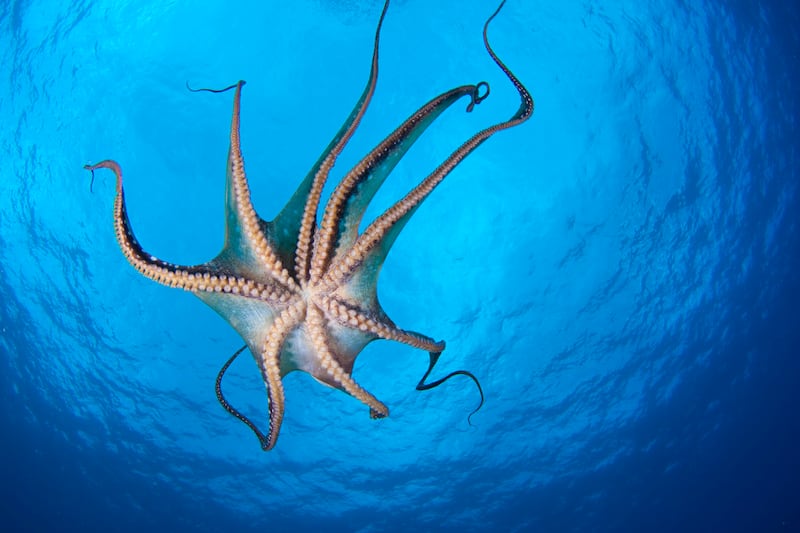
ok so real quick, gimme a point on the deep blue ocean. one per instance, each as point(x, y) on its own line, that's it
point(620, 272)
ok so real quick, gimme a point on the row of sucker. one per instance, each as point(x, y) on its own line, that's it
point(309, 220)
point(246, 214)
point(190, 278)
point(349, 315)
point(270, 365)
point(315, 322)
point(334, 210)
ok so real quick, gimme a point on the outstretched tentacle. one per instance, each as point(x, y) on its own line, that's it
point(246, 247)
point(308, 221)
point(377, 238)
point(197, 279)
point(269, 363)
point(262, 439)
point(243, 226)
point(147, 264)
point(434, 357)
point(380, 326)
point(346, 206)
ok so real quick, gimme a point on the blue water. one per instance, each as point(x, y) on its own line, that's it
point(621, 272)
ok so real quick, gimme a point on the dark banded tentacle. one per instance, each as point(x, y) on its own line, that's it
point(262, 439)
point(308, 221)
point(346, 206)
point(378, 237)
point(200, 278)
point(421, 386)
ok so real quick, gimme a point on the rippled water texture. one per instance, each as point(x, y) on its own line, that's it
point(620, 271)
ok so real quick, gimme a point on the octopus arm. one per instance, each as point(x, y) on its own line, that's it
point(349, 200)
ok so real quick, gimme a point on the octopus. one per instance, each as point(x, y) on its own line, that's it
point(301, 290)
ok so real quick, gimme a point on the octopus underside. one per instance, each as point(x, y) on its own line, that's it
point(301, 290)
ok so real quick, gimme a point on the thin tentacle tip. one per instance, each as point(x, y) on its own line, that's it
point(90, 168)
point(240, 83)
point(473, 413)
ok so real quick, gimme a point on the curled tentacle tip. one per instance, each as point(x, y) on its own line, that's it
point(481, 97)
point(477, 97)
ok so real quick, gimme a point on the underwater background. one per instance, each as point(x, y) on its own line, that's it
point(620, 272)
